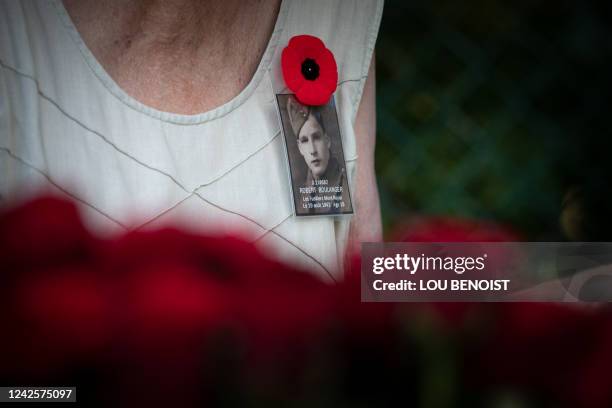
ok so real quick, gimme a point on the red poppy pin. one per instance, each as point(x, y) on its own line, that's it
point(309, 70)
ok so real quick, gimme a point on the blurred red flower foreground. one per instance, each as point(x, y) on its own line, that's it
point(166, 317)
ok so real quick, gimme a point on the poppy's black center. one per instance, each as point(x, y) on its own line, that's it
point(310, 69)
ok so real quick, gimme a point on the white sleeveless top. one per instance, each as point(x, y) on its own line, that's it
point(67, 127)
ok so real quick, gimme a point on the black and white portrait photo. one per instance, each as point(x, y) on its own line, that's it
point(316, 159)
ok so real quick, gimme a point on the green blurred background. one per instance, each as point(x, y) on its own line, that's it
point(496, 110)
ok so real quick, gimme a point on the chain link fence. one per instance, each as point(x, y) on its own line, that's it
point(496, 110)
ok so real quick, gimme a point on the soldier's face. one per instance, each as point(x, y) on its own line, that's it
point(314, 145)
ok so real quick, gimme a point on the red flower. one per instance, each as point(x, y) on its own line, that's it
point(309, 70)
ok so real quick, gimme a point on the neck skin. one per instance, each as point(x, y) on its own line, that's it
point(182, 56)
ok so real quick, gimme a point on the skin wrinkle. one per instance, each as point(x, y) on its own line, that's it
point(180, 56)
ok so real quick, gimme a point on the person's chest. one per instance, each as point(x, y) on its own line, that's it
point(189, 62)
